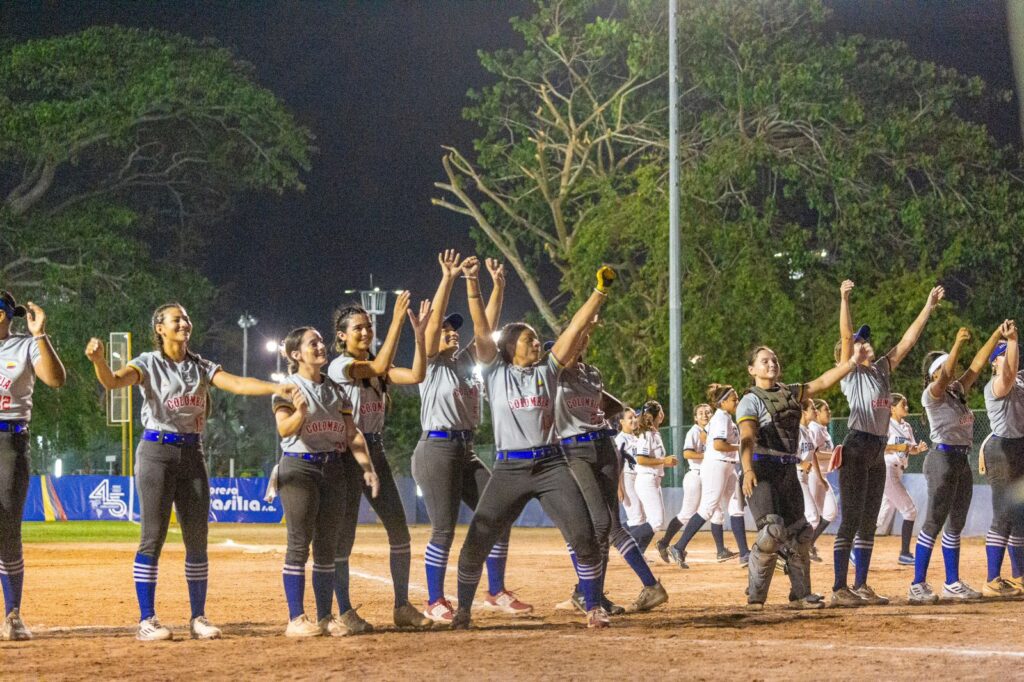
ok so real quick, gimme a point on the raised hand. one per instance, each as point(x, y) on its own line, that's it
point(1009, 330)
point(471, 267)
point(94, 350)
point(36, 319)
point(449, 261)
point(419, 324)
point(963, 335)
point(936, 295)
point(845, 288)
point(497, 270)
point(401, 305)
point(605, 278)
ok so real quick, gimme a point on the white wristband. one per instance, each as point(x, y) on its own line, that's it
point(44, 335)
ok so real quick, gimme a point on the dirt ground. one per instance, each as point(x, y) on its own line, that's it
point(80, 602)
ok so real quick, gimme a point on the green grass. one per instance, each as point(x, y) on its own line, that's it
point(79, 531)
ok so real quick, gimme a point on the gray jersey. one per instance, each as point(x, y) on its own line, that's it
point(692, 441)
point(951, 421)
point(450, 393)
point(18, 355)
point(522, 403)
point(174, 394)
point(324, 428)
point(867, 391)
point(1006, 414)
point(578, 401)
point(367, 396)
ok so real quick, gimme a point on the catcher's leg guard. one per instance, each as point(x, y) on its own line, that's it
point(771, 536)
point(799, 558)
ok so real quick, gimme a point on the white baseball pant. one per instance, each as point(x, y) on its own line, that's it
point(648, 489)
point(822, 503)
point(635, 509)
point(718, 483)
point(691, 496)
point(896, 498)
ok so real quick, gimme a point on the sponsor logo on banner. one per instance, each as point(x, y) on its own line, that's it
point(232, 502)
point(108, 498)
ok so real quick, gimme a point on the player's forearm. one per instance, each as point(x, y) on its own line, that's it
point(495, 302)
point(49, 369)
point(438, 309)
point(290, 425)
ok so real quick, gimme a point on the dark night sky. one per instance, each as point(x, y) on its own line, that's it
point(381, 85)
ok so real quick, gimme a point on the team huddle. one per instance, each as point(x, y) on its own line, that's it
point(560, 438)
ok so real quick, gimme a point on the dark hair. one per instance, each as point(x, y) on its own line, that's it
point(648, 414)
point(341, 317)
point(898, 398)
point(716, 393)
point(807, 404)
point(510, 334)
point(929, 358)
point(158, 318)
point(819, 403)
point(292, 343)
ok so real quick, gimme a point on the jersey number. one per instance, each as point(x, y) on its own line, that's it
point(5, 402)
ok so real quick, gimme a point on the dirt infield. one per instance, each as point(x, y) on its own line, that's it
point(80, 602)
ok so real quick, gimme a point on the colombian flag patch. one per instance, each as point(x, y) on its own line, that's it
point(11, 365)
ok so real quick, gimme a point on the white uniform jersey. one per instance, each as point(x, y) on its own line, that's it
point(821, 437)
point(649, 444)
point(808, 444)
point(693, 441)
point(626, 442)
point(19, 354)
point(174, 394)
point(367, 395)
point(900, 433)
point(723, 428)
point(324, 428)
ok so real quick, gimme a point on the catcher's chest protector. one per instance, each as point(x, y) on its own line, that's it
point(783, 434)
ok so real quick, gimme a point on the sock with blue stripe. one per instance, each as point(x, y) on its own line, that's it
point(436, 561)
point(323, 589)
point(341, 585)
point(575, 565)
point(294, 578)
point(861, 560)
point(12, 577)
point(922, 556)
point(738, 524)
point(145, 572)
point(631, 553)
point(496, 562)
point(951, 556)
point(718, 533)
point(692, 526)
point(1015, 548)
point(589, 577)
point(401, 556)
point(841, 559)
point(197, 574)
point(995, 550)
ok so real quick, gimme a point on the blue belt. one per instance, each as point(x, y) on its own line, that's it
point(168, 438)
point(450, 435)
point(374, 437)
point(955, 449)
point(777, 459)
point(14, 427)
point(315, 457)
point(589, 436)
point(534, 453)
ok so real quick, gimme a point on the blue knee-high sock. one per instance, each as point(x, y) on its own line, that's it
point(739, 531)
point(496, 562)
point(12, 577)
point(468, 582)
point(294, 578)
point(341, 584)
point(631, 553)
point(197, 574)
point(145, 571)
point(995, 550)
point(1015, 548)
point(718, 533)
point(323, 589)
point(862, 560)
point(589, 577)
point(575, 565)
point(951, 556)
point(692, 526)
point(399, 560)
point(922, 556)
point(436, 561)
point(841, 558)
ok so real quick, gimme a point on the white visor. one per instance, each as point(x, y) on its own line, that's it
point(939, 362)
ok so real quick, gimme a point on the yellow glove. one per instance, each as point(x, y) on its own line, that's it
point(605, 277)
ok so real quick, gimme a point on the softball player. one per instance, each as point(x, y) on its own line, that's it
point(862, 472)
point(364, 379)
point(946, 469)
point(530, 464)
point(651, 461)
point(900, 445)
point(809, 469)
point(625, 445)
point(718, 478)
point(170, 467)
point(693, 452)
point(825, 503)
point(316, 429)
point(23, 358)
point(444, 464)
point(1004, 465)
point(587, 442)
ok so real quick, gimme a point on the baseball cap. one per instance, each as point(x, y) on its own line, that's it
point(863, 334)
point(454, 321)
point(548, 345)
point(10, 306)
point(999, 350)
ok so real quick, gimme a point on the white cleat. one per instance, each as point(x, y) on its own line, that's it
point(13, 629)
point(920, 594)
point(150, 630)
point(959, 591)
point(301, 626)
point(200, 628)
point(330, 626)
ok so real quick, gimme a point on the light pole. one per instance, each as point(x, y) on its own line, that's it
point(245, 322)
point(675, 311)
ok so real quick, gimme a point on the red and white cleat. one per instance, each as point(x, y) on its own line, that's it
point(440, 611)
point(597, 618)
point(507, 602)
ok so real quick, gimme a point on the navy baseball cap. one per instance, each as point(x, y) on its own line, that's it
point(863, 334)
point(548, 345)
point(1000, 349)
point(10, 306)
point(454, 321)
